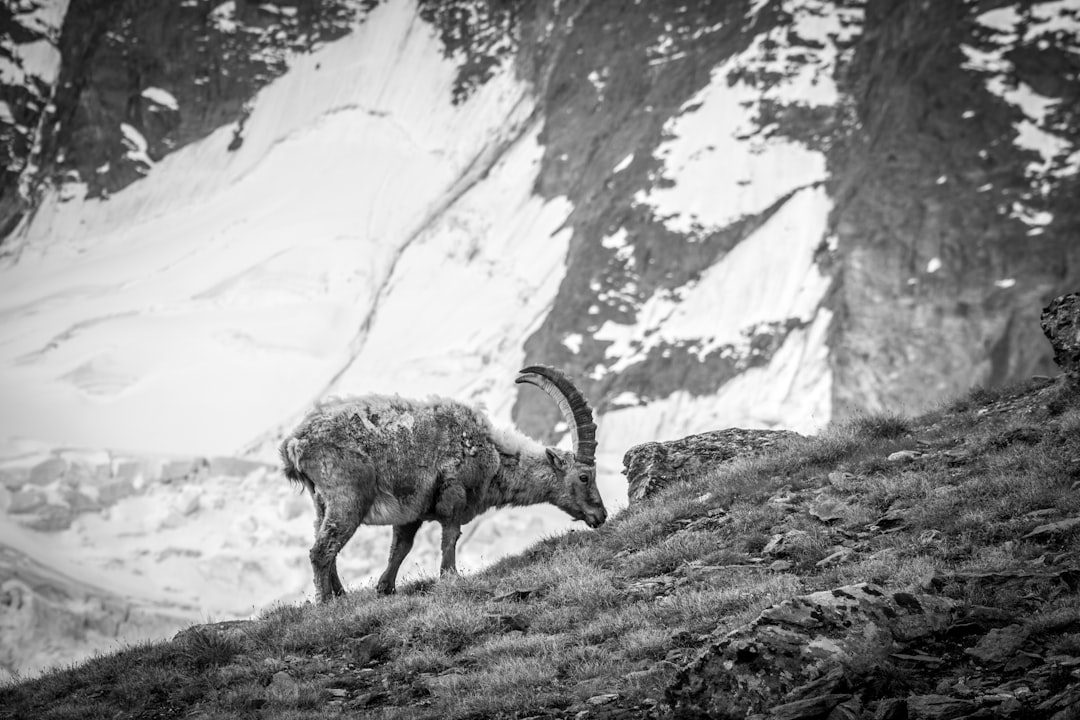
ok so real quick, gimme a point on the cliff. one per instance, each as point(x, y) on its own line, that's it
point(855, 204)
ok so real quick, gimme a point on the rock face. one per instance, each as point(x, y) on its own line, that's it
point(651, 466)
point(924, 279)
point(943, 232)
point(138, 82)
point(937, 205)
point(1061, 323)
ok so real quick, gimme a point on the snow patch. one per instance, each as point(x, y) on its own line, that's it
point(162, 97)
point(793, 392)
point(599, 81)
point(136, 144)
point(38, 59)
point(278, 10)
point(616, 240)
point(721, 162)
point(1058, 157)
point(769, 277)
point(223, 16)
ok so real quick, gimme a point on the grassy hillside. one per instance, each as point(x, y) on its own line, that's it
point(970, 503)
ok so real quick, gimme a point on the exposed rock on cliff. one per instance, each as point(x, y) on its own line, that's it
point(1060, 322)
point(782, 211)
point(137, 81)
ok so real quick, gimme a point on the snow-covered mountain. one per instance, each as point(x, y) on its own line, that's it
point(766, 213)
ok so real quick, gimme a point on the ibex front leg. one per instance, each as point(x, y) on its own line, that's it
point(449, 506)
point(450, 534)
point(399, 548)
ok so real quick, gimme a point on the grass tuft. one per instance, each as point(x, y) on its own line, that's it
point(202, 648)
point(882, 426)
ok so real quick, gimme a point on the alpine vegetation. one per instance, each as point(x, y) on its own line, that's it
point(380, 460)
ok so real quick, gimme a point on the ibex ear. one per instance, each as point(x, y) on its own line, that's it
point(556, 460)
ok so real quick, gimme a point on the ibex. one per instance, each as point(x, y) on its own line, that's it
point(378, 460)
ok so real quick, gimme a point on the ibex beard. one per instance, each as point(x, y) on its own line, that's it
point(380, 460)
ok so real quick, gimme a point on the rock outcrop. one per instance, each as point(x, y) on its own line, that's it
point(137, 83)
point(795, 656)
point(859, 651)
point(1060, 322)
point(651, 466)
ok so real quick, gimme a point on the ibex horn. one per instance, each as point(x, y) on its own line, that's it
point(571, 403)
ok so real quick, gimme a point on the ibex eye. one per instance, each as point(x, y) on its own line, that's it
point(583, 477)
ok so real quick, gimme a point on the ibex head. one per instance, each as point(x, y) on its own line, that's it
point(576, 470)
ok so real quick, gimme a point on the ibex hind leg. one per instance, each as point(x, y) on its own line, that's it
point(320, 512)
point(346, 499)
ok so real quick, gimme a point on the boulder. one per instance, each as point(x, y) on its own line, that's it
point(14, 477)
point(234, 466)
point(365, 649)
point(651, 466)
point(999, 645)
point(1060, 322)
point(48, 518)
point(283, 689)
point(28, 499)
point(184, 469)
point(45, 472)
point(1050, 530)
point(787, 543)
point(110, 491)
point(938, 707)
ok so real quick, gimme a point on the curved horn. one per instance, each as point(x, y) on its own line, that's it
point(573, 405)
